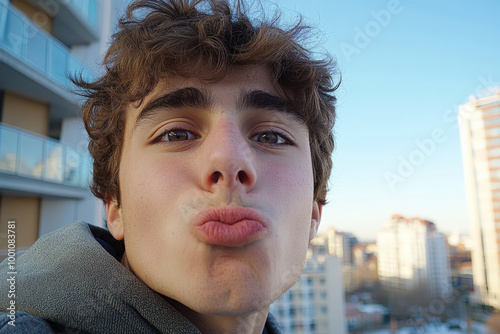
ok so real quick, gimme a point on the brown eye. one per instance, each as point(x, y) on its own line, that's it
point(179, 135)
point(269, 138)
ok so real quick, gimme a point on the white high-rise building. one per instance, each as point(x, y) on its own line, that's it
point(479, 121)
point(412, 255)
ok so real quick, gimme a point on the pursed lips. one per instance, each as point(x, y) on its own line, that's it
point(229, 226)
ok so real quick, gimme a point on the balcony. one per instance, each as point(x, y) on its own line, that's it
point(75, 21)
point(34, 64)
point(34, 164)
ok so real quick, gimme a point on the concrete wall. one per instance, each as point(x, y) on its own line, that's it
point(73, 133)
point(56, 213)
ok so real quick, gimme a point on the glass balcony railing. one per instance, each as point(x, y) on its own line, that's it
point(30, 155)
point(87, 8)
point(39, 50)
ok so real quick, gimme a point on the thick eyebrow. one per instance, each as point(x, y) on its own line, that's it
point(188, 97)
point(259, 99)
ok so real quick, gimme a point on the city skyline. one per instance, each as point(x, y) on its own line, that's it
point(406, 67)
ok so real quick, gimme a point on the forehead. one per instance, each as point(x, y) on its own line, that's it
point(245, 87)
point(252, 77)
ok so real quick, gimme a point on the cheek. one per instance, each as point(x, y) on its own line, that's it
point(152, 181)
point(289, 180)
point(291, 189)
point(150, 195)
point(150, 191)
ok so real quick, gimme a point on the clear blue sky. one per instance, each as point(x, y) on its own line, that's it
point(404, 75)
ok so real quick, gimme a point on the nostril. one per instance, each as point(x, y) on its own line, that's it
point(242, 176)
point(216, 176)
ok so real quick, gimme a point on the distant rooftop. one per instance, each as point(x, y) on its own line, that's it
point(485, 93)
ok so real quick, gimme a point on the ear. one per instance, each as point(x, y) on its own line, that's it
point(114, 218)
point(315, 219)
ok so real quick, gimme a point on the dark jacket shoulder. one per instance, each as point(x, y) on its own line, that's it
point(24, 323)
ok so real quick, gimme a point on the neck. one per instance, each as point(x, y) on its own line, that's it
point(252, 323)
point(210, 324)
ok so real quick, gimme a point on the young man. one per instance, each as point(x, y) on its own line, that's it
point(211, 137)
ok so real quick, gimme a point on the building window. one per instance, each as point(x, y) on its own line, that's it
point(492, 121)
point(495, 162)
point(494, 132)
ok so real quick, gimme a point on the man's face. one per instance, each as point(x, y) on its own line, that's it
point(216, 189)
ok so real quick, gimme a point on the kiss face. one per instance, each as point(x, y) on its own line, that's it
point(216, 184)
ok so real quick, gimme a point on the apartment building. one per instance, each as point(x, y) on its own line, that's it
point(315, 303)
point(479, 121)
point(413, 255)
point(45, 167)
point(341, 244)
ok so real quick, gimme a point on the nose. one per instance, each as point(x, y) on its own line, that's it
point(228, 159)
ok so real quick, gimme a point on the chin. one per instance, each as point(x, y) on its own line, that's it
point(234, 303)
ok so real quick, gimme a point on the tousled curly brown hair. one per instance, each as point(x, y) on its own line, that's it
point(202, 38)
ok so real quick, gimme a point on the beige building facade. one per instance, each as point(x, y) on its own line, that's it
point(479, 121)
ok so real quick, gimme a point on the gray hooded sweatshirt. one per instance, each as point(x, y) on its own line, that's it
point(71, 281)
